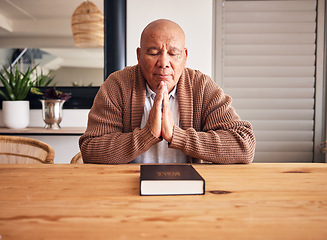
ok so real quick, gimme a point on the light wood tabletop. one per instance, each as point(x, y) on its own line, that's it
point(255, 201)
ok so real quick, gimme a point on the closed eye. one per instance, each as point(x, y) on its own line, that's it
point(153, 51)
point(174, 52)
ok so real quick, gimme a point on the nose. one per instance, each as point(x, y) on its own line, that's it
point(163, 61)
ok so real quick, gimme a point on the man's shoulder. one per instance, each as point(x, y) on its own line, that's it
point(122, 77)
point(191, 71)
point(129, 71)
point(195, 76)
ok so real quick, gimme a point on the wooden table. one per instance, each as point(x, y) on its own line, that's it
point(256, 201)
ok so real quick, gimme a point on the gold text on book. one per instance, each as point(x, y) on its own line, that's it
point(160, 174)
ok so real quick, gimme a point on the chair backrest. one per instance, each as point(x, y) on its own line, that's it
point(77, 159)
point(22, 150)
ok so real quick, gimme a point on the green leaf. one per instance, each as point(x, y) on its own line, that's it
point(16, 84)
point(6, 83)
point(43, 80)
point(3, 95)
point(36, 91)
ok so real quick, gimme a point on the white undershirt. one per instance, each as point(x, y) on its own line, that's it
point(160, 153)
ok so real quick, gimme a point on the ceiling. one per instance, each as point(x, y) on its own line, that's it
point(45, 24)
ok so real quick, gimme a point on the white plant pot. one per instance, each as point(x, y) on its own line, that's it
point(16, 114)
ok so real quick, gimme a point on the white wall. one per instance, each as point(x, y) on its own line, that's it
point(194, 16)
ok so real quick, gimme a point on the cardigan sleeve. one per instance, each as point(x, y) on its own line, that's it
point(106, 139)
point(221, 137)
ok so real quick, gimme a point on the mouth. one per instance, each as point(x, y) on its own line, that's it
point(163, 76)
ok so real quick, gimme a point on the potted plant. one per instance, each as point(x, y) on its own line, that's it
point(15, 107)
point(52, 103)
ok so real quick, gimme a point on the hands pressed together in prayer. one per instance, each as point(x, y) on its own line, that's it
point(161, 118)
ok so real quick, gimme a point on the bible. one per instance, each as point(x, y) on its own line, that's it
point(159, 179)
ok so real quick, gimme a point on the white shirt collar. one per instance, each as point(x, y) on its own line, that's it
point(150, 93)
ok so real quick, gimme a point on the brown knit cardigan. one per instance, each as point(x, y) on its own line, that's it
point(209, 130)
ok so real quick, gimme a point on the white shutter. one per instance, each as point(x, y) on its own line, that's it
point(269, 70)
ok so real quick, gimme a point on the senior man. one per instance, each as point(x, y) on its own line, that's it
point(159, 111)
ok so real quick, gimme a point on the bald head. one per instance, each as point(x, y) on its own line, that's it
point(163, 27)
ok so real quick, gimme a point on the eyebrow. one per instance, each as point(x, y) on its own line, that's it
point(175, 49)
point(152, 48)
point(170, 49)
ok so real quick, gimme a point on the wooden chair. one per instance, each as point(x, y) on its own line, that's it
point(22, 150)
point(77, 159)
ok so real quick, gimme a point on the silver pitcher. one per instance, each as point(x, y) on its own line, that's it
point(52, 112)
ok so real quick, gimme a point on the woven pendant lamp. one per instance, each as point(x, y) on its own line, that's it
point(87, 26)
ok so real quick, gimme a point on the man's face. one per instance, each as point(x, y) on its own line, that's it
point(162, 56)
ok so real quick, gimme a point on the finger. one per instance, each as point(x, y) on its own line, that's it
point(167, 119)
point(159, 95)
point(155, 114)
point(155, 120)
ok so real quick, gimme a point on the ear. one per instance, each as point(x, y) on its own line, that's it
point(186, 53)
point(185, 56)
point(138, 53)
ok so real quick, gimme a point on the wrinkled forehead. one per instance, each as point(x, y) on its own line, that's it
point(163, 34)
point(159, 40)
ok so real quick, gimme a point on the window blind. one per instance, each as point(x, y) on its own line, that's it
point(269, 70)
